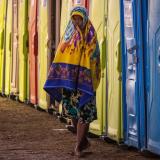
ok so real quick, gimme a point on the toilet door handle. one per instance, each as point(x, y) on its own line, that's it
point(135, 47)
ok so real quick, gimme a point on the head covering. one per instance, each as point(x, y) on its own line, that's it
point(76, 64)
point(81, 11)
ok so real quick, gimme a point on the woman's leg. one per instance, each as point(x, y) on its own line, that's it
point(82, 130)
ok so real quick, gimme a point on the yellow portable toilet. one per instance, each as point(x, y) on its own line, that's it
point(3, 6)
point(14, 58)
point(23, 48)
point(8, 44)
point(97, 17)
point(44, 55)
point(106, 21)
point(114, 105)
point(46, 45)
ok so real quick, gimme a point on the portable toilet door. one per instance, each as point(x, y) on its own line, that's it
point(114, 100)
point(3, 6)
point(153, 80)
point(23, 48)
point(14, 67)
point(133, 82)
point(97, 17)
point(8, 47)
point(44, 58)
point(33, 52)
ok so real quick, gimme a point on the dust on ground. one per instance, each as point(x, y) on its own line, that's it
point(28, 134)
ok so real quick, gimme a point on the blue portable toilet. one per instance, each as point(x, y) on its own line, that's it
point(153, 77)
point(133, 73)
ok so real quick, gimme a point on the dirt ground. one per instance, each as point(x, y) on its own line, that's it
point(28, 134)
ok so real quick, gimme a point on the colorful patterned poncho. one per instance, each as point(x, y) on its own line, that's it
point(76, 65)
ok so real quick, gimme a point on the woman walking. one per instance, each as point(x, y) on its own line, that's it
point(75, 74)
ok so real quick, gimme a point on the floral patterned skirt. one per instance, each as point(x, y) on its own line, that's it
point(70, 102)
